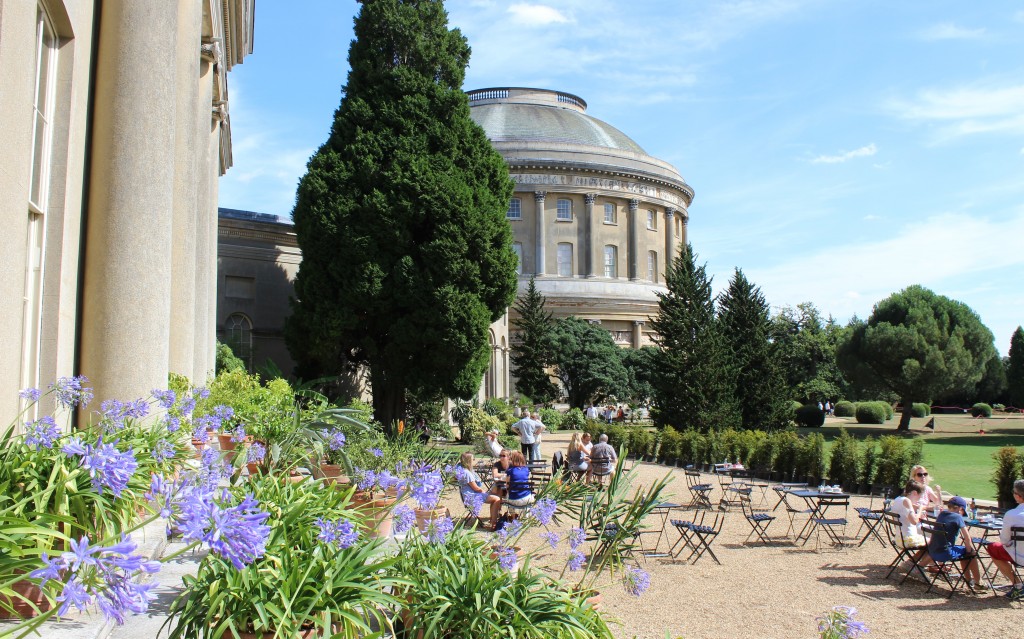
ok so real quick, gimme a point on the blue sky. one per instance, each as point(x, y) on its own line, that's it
point(840, 150)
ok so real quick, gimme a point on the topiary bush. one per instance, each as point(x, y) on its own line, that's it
point(981, 410)
point(845, 409)
point(890, 412)
point(810, 415)
point(918, 409)
point(845, 461)
point(870, 413)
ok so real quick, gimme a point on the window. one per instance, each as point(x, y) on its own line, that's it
point(609, 214)
point(652, 266)
point(42, 111)
point(611, 259)
point(238, 335)
point(565, 259)
point(652, 221)
point(515, 209)
point(517, 248)
point(239, 287)
point(564, 210)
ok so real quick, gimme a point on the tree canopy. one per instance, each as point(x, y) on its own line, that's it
point(1015, 369)
point(531, 346)
point(407, 256)
point(919, 345)
point(587, 361)
point(805, 350)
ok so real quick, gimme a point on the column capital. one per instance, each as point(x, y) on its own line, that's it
point(590, 198)
point(684, 216)
point(638, 322)
point(219, 112)
point(634, 205)
point(670, 213)
point(210, 52)
point(539, 195)
point(595, 322)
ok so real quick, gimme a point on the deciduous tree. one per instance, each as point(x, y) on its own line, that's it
point(587, 361)
point(407, 256)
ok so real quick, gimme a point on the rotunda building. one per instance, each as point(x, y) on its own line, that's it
point(594, 218)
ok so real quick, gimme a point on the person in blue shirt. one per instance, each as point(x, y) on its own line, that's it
point(519, 493)
point(943, 547)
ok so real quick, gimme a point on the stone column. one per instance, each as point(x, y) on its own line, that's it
point(634, 239)
point(541, 248)
point(670, 239)
point(685, 218)
point(126, 298)
point(219, 115)
point(208, 163)
point(187, 175)
point(638, 332)
point(590, 230)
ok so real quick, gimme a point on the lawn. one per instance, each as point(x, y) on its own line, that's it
point(957, 456)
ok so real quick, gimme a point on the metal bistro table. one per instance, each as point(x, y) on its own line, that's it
point(991, 528)
point(818, 503)
point(661, 509)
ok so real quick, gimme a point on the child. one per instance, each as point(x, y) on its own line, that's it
point(910, 516)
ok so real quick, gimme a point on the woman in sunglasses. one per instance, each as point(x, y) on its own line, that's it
point(929, 498)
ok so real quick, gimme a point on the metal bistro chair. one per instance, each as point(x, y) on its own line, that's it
point(759, 520)
point(937, 538)
point(871, 518)
point(700, 492)
point(601, 469)
point(511, 509)
point(914, 554)
point(698, 535)
point(833, 527)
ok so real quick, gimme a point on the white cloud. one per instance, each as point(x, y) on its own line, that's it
point(966, 110)
point(537, 15)
point(950, 31)
point(1019, 16)
point(871, 217)
point(864, 151)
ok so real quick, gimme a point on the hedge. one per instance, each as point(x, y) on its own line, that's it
point(871, 413)
point(810, 415)
point(981, 410)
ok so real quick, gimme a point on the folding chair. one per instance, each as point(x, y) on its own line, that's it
point(758, 520)
point(1016, 537)
point(601, 468)
point(782, 491)
point(700, 492)
point(937, 539)
point(914, 554)
point(699, 535)
point(834, 527)
point(871, 518)
point(725, 484)
point(519, 510)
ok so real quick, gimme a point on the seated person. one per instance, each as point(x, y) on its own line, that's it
point(929, 498)
point(499, 472)
point(602, 458)
point(1004, 551)
point(944, 548)
point(576, 456)
point(519, 493)
point(469, 483)
point(910, 517)
point(493, 445)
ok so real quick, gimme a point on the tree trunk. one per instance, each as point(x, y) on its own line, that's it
point(388, 399)
point(905, 415)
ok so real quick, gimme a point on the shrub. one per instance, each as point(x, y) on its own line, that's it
point(810, 415)
point(845, 460)
point(795, 406)
point(639, 441)
point(895, 458)
point(787, 448)
point(749, 441)
point(981, 410)
point(845, 409)
point(762, 457)
point(870, 413)
point(1008, 469)
point(671, 441)
point(551, 418)
point(691, 447)
point(476, 423)
point(811, 456)
point(918, 409)
point(998, 407)
point(868, 460)
point(890, 412)
point(574, 419)
point(497, 407)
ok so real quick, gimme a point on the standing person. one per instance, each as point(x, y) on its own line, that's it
point(1005, 552)
point(929, 498)
point(538, 429)
point(469, 483)
point(592, 412)
point(526, 430)
point(944, 547)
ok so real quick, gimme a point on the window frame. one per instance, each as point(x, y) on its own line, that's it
point(613, 210)
point(518, 209)
point(558, 210)
point(652, 220)
point(517, 249)
point(652, 266)
point(561, 260)
point(611, 266)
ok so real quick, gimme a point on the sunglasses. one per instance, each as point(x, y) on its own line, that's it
point(921, 475)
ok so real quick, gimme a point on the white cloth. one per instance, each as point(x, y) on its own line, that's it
point(903, 507)
point(1013, 518)
point(494, 446)
point(592, 412)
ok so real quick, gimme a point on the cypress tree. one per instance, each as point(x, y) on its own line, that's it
point(692, 386)
point(1015, 370)
point(759, 388)
point(531, 348)
point(407, 256)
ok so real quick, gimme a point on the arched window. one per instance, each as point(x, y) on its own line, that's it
point(611, 261)
point(238, 335)
point(565, 259)
point(515, 209)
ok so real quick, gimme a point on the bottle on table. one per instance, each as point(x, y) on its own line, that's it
point(974, 509)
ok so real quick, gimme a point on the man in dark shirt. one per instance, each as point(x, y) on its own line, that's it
point(942, 546)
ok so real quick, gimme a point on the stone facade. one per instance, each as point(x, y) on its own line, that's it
point(116, 128)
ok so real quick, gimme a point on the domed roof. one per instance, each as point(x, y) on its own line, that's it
point(537, 115)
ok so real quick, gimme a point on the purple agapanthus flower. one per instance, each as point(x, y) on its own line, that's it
point(426, 486)
point(544, 510)
point(207, 422)
point(507, 557)
point(636, 581)
point(404, 518)
point(236, 533)
point(72, 391)
point(576, 560)
point(163, 450)
point(510, 531)
point(337, 441)
point(165, 398)
point(201, 434)
point(438, 529)
point(201, 392)
point(108, 467)
point(171, 423)
point(341, 533)
point(238, 435)
point(100, 576)
point(115, 413)
point(256, 453)
point(42, 433)
point(188, 405)
point(377, 452)
point(31, 394)
point(474, 502)
point(839, 623)
point(551, 537)
point(576, 538)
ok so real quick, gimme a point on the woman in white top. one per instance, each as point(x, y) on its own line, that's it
point(469, 483)
point(910, 515)
point(928, 498)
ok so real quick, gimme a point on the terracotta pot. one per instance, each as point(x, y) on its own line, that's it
point(376, 513)
point(253, 468)
point(518, 549)
point(22, 609)
point(199, 446)
point(306, 633)
point(424, 517)
point(225, 441)
point(331, 471)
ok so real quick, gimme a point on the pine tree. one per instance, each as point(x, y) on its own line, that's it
point(531, 348)
point(1015, 370)
point(407, 256)
point(759, 389)
point(692, 383)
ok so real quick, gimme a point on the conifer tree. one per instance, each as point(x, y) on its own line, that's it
point(759, 389)
point(407, 256)
point(691, 387)
point(531, 348)
point(1015, 370)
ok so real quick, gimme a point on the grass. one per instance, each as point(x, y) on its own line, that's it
point(957, 456)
